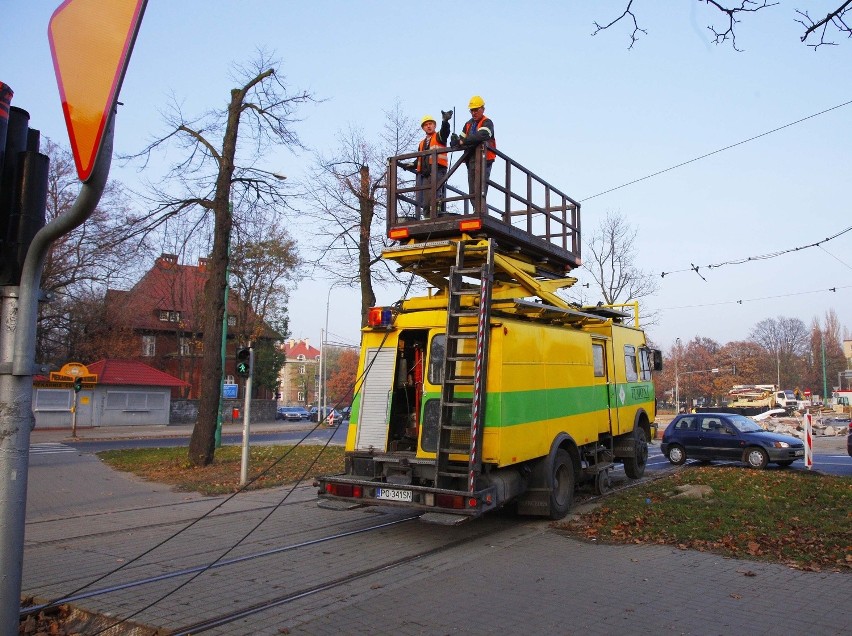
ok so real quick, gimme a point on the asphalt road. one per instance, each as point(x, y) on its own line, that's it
point(830, 460)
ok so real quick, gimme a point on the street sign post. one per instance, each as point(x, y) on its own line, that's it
point(91, 41)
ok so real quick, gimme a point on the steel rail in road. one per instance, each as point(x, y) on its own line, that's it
point(34, 609)
point(236, 615)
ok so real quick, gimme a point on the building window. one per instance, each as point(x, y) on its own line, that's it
point(300, 397)
point(229, 379)
point(300, 357)
point(53, 399)
point(316, 358)
point(302, 369)
point(167, 315)
point(134, 401)
point(149, 346)
point(232, 321)
point(185, 346)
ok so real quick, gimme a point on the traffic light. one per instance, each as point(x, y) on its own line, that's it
point(244, 363)
point(78, 384)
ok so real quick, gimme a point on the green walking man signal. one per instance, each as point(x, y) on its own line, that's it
point(78, 384)
point(244, 363)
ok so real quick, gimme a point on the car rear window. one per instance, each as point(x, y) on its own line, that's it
point(687, 424)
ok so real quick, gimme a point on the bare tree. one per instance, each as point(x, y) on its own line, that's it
point(786, 340)
point(221, 178)
point(612, 262)
point(82, 264)
point(732, 13)
point(347, 194)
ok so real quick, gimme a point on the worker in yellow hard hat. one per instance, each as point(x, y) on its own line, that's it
point(479, 129)
point(431, 182)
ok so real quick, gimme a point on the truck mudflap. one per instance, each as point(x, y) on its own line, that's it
point(372, 493)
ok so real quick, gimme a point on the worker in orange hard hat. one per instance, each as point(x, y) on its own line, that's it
point(431, 180)
point(479, 129)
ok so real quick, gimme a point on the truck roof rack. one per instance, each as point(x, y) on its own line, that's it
point(525, 215)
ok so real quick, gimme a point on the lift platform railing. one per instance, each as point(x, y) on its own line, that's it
point(508, 202)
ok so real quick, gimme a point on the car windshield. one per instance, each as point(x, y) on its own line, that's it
point(744, 424)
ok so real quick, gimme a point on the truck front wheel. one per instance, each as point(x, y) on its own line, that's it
point(634, 466)
point(562, 485)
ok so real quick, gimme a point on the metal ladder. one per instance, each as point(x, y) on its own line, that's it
point(456, 435)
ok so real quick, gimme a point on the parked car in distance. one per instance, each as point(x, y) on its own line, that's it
point(292, 413)
point(346, 411)
point(727, 436)
point(338, 418)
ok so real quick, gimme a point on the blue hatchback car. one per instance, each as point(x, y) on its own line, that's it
point(730, 437)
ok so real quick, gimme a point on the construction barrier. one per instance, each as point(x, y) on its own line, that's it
point(807, 423)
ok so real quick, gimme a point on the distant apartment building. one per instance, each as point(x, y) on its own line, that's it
point(300, 373)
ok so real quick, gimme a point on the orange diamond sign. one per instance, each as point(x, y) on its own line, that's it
point(91, 41)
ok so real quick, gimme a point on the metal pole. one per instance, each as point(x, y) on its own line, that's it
point(217, 436)
point(677, 384)
point(18, 315)
point(824, 381)
point(246, 419)
point(319, 379)
point(322, 356)
point(74, 417)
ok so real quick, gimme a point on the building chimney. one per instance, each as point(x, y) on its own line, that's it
point(167, 261)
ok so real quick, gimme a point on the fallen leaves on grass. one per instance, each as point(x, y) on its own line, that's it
point(790, 517)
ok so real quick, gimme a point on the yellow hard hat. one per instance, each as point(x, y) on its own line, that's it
point(427, 118)
point(476, 102)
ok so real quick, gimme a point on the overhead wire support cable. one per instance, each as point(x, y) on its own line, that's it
point(717, 151)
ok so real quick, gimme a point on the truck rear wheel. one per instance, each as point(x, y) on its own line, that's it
point(634, 466)
point(562, 485)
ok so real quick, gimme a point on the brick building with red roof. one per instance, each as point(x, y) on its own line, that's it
point(164, 314)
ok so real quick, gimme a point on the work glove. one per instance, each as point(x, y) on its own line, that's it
point(454, 140)
point(411, 167)
point(446, 114)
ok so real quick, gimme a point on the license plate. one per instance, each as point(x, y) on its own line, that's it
point(391, 494)
point(799, 452)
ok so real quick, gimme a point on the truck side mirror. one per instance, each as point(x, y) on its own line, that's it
point(658, 359)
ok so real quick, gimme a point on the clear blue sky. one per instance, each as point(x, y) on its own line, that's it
point(584, 112)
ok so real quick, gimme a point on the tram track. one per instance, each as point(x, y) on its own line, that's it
point(26, 611)
point(235, 615)
point(147, 526)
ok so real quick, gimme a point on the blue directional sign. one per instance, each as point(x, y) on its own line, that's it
point(229, 391)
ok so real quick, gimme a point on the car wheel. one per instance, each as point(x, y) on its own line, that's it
point(786, 462)
point(634, 467)
point(562, 485)
point(677, 454)
point(756, 457)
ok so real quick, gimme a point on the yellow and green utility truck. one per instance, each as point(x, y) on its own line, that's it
point(491, 389)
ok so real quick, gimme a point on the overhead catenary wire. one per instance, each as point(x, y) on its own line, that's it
point(760, 257)
point(761, 298)
point(715, 152)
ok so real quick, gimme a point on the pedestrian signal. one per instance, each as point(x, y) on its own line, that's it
point(244, 363)
point(78, 384)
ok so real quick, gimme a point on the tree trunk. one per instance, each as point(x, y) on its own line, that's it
point(366, 205)
point(203, 440)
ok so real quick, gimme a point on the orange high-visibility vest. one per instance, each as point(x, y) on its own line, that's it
point(433, 142)
point(492, 142)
